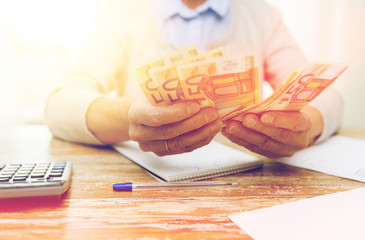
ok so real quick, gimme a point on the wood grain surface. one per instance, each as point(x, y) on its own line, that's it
point(92, 210)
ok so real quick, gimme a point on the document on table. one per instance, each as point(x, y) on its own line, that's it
point(334, 216)
point(340, 156)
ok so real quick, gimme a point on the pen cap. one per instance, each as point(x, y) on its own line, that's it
point(123, 186)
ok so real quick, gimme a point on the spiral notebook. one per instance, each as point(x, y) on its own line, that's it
point(210, 161)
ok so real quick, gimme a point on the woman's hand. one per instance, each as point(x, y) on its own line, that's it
point(173, 129)
point(276, 134)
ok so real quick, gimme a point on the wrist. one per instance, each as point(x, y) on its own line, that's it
point(107, 119)
point(317, 125)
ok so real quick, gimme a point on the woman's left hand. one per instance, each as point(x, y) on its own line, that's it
point(276, 133)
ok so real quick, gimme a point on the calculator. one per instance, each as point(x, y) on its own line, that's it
point(34, 179)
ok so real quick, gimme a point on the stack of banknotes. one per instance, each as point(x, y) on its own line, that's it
point(228, 83)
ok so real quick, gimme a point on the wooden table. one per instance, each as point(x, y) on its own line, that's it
point(92, 210)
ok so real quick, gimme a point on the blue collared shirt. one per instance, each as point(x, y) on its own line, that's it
point(183, 26)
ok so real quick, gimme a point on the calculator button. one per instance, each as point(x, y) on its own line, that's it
point(6, 175)
point(54, 180)
point(21, 175)
point(2, 165)
point(58, 168)
point(31, 165)
point(10, 168)
point(23, 178)
point(4, 179)
point(59, 164)
point(37, 175)
point(14, 165)
point(43, 164)
point(38, 180)
point(55, 175)
point(25, 169)
point(8, 171)
point(40, 169)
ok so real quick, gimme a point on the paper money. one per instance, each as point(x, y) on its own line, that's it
point(306, 87)
point(167, 82)
point(228, 83)
point(299, 90)
point(213, 53)
point(152, 88)
point(181, 54)
point(148, 86)
point(166, 78)
point(191, 77)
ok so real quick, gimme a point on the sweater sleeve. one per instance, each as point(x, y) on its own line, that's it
point(282, 55)
point(65, 115)
point(330, 104)
point(94, 71)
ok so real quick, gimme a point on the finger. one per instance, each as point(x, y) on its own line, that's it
point(190, 148)
point(183, 142)
point(295, 121)
point(260, 140)
point(248, 145)
point(283, 135)
point(168, 131)
point(159, 115)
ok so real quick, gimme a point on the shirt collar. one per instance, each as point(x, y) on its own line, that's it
point(170, 8)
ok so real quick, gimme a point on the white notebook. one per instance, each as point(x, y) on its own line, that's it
point(212, 160)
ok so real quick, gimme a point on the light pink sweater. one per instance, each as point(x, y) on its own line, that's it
point(124, 37)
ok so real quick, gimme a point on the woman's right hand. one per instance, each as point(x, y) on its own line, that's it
point(172, 129)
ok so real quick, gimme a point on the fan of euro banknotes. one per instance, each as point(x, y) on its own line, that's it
point(228, 83)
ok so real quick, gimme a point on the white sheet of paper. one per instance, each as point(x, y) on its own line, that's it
point(333, 216)
point(340, 156)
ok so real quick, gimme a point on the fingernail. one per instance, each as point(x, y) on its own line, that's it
point(267, 118)
point(210, 116)
point(233, 129)
point(193, 108)
point(250, 122)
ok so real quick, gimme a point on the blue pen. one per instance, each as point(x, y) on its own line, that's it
point(129, 186)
